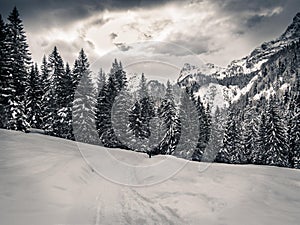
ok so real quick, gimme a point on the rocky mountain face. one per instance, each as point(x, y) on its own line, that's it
point(218, 86)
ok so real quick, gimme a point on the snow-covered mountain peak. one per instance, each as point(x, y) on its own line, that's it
point(238, 77)
point(208, 69)
point(250, 63)
point(187, 67)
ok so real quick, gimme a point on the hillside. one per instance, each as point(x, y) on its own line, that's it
point(45, 180)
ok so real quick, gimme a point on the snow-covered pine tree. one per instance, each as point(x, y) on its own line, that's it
point(34, 98)
point(168, 113)
point(189, 126)
point(53, 99)
point(119, 76)
point(204, 129)
point(7, 85)
point(276, 143)
point(294, 125)
point(230, 152)
point(100, 80)
point(115, 83)
point(216, 137)
point(120, 115)
point(102, 105)
point(84, 103)
point(102, 110)
point(18, 64)
point(65, 112)
point(208, 122)
point(135, 123)
point(147, 108)
point(108, 137)
point(45, 87)
point(259, 153)
point(249, 134)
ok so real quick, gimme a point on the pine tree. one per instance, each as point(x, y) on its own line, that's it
point(106, 97)
point(7, 85)
point(18, 64)
point(65, 112)
point(259, 154)
point(119, 76)
point(33, 98)
point(230, 152)
point(120, 115)
point(208, 122)
point(108, 137)
point(249, 134)
point(167, 111)
point(45, 88)
point(100, 80)
point(135, 123)
point(204, 128)
point(276, 146)
point(147, 107)
point(57, 73)
point(84, 103)
point(216, 138)
point(54, 96)
point(189, 127)
point(102, 110)
point(294, 126)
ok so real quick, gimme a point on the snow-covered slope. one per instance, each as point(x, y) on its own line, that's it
point(239, 70)
point(45, 180)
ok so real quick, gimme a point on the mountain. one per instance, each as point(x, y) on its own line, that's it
point(45, 180)
point(218, 85)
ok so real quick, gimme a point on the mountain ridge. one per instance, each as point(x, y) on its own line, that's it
point(232, 81)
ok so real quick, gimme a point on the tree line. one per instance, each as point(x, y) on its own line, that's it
point(65, 102)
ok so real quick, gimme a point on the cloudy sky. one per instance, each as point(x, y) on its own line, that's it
point(151, 36)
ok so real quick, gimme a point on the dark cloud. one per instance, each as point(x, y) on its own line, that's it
point(147, 36)
point(249, 5)
point(66, 10)
point(122, 47)
point(250, 13)
point(236, 18)
point(113, 36)
point(182, 45)
point(69, 10)
point(91, 44)
point(98, 22)
point(94, 23)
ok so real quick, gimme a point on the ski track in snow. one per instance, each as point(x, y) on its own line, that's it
point(132, 208)
point(152, 211)
point(98, 210)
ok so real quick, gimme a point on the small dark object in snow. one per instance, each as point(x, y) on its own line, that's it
point(149, 153)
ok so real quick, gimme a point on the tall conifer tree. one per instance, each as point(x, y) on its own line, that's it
point(18, 64)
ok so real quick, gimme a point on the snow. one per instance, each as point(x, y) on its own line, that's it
point(284, 87)
point(245, 89)
point(215, 95)
point(45, 180)
point(209, 69)
point(267, 93)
